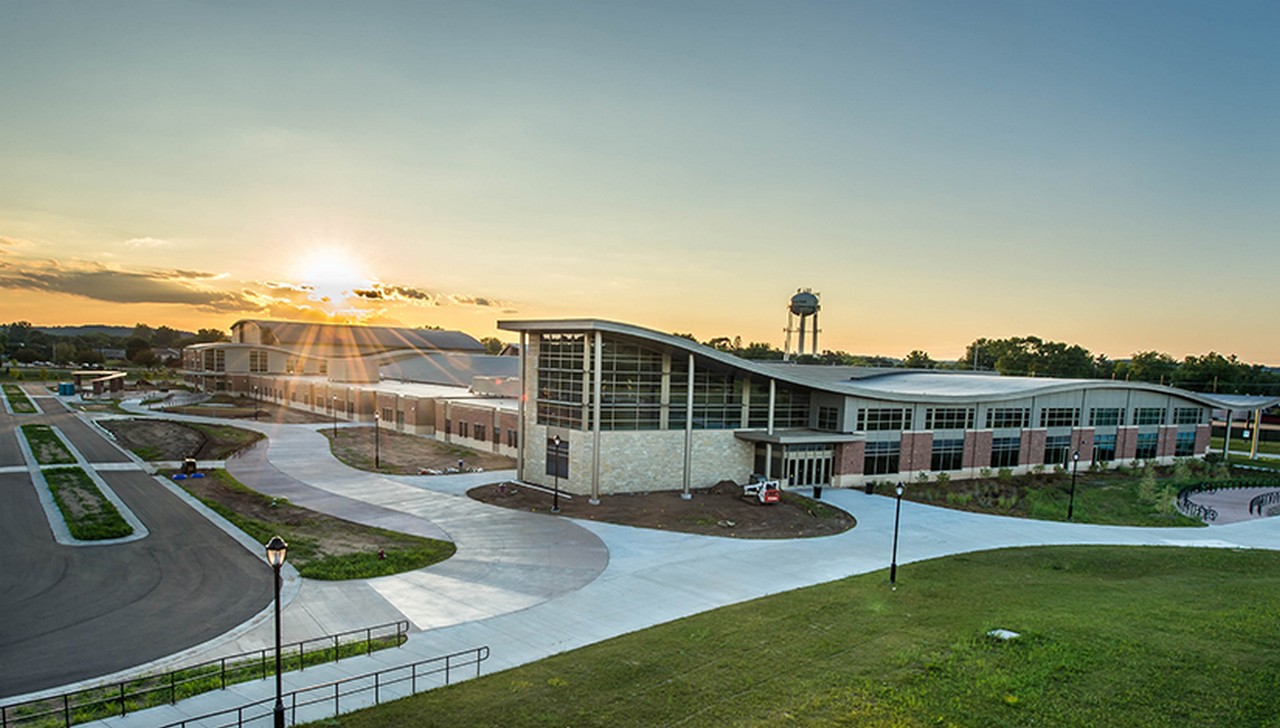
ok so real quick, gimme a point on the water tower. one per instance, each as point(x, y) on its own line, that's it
point(803, 304)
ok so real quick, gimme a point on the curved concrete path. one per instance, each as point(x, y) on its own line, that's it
point(651, 576)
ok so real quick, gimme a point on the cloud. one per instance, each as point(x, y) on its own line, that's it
point(146, 242)
point(101, 283)
point(8, 242)
point(408, 294)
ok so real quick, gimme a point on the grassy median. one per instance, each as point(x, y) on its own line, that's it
point(1110, 637)
point(18, 400)
point(87, 512)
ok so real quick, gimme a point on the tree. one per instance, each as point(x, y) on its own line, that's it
point(89, 356)
point(25, 355)
point(142, 331)
point(918, 359)
point(135, 346)
point(164, 336)
point(64, 352)
point(1150, 366)
point(492, 345)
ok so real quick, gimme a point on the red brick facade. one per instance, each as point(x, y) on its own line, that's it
point(1082, 442)
point(977, 448)
point(1168, 441)
point(1202, 439)
point(916, 451)
point(1126, 443)
point(850, 457)
point(1031, 450)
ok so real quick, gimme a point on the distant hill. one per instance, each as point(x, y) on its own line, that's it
point(102, 329)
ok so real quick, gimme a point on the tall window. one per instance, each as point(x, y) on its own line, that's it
point(464, 428)
point(872, 419)
point(947, 455)
point(1060, 417)
point(881, 457)
point(828, 418)
point(1106, 417)
point(1004, 451)
point(561, 378)
point(1185, 445)
point(558, 457)
point(511, 438)
point(630, 386)
point(717, 398)
point(948, 418)
point(1149, 445)
point(480, 431)
point(257, 361)
point(1104, 448)
point(1057, 450)
point(790, 406)
point(1148, 416)
point(999, 418)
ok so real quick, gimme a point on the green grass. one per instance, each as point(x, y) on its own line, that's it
point(18, 401)
point(1239, 444)
point(47, 447)
point(307, 532)
point(88, 513)
point(1111, 637)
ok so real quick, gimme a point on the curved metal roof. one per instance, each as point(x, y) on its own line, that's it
point(894, 385)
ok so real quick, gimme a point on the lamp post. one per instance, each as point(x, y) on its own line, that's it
point(257, 406)
point(333, 403)
point(897, 515)
point(377, 420)
point(276, 550)
point(1075, 465)
point(555, 493)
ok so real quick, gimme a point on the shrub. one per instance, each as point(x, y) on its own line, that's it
point(1038, 469)
point(985, 472)
point(922, 478)
point(1004, 475)
point(944, 480)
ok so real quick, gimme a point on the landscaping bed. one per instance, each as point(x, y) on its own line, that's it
point(87, 512)
point(47, 447)
point(18, 400)
point(246, 408)
point(1128, 495)
point(153, 439)
point(1110, 636)
point(716, 511)
point(320, 546)
point(402, 454)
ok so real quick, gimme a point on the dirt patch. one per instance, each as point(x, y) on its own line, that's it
point(165, 440)
point(716, 511)
point(403, 454)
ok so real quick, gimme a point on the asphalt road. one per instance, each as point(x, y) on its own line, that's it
point(69, 613)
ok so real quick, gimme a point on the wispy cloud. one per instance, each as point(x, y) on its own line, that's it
point(99, 282)
point(422, 297)
point(8, 242)
point(146, 242)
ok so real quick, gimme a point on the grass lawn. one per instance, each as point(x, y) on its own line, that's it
point(1239, 444)
point(320, 546)
point(88, 513)
point(1111, 637)
point(18, 401)
point(47, 446)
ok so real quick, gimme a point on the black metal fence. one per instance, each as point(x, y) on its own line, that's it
point(129, 696)
point(359, 691)
point(1190, 508)
point(1259, 503)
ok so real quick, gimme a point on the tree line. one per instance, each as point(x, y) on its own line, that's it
point(22, 342)
point(1031, 356)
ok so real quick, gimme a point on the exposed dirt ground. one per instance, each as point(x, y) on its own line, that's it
point(403, 454)
point(243, 408)
point(164, 440)
point(717, 511)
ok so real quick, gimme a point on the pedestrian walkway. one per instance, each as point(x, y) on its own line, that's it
point(651, 577)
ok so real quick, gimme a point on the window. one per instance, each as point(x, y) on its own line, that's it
point(1188, 415)
point(291, 364)
point(561, 377)
point(1057, 450)
point(881, 457)
point(448, 427)
point(387, 414)
point(828, 419)
point(790, 406)
point(511, 438)
point(883, 418)
point(257, 361)
point(220, 360)
point(1148, 416)
point(947, 455)
point(1104, 448)
point(999, 418)
point(1060, 417)
point(948, 418)
point(1148, 445)
point(557, 457)
point(324, 366)
point(1106, 417)
point(1185, 445)
point(717, 399)
point(630, 386)
point(399, 419)
point(464, 429)
point(480, 431)
point(1004, 451)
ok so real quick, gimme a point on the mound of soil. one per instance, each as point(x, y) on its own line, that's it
point(716, 511)
point(165, 440)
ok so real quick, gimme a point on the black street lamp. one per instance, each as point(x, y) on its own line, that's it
point(897, 515)
point(333, 402)
point(257, 403)
point(555, 494)
point(276, 550)
point(1075, 465)
point(377, 425)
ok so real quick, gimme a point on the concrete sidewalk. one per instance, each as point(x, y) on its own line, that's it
point(519, 583)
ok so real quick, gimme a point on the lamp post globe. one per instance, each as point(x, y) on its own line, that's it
point(277, 549)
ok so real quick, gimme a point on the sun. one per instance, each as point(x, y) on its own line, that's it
point(332, 273)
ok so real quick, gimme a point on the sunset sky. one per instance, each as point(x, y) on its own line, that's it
point(1101, 173)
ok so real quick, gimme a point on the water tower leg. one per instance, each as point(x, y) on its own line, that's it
point(815, 333)
point(802, 318)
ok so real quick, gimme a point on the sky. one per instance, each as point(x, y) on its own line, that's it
point(1100, 173)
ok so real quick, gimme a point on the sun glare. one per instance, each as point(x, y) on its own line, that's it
point(333, 273)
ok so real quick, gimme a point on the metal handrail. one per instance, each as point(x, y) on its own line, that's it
point(254, 662)
point(260, 709)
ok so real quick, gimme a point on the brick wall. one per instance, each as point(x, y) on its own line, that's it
point(1082, 442)
point(916, 452)
point(1031, 449)
point(1126, 443)
point(849, 458)
point(977, 448)
point(1168, 441)
point(1202, 439)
